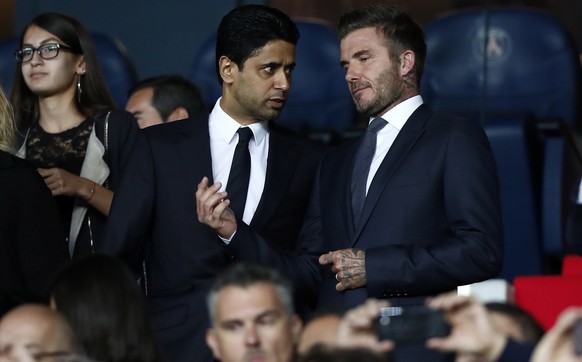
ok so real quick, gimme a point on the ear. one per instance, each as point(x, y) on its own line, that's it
point(296, 328)
point(407, 62)
point(179, 113)
point(226, 68)
point(212, 342)
point(81, 68)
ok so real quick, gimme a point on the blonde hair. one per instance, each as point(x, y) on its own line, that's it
point(7, 124)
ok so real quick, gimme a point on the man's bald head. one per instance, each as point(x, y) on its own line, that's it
point(35, 329)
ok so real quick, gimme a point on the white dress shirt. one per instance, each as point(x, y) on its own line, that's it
point(396, 118)
point(223, 141)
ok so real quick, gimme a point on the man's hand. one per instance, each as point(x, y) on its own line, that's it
point(212, 209)
point(472, 332)
point(349, 267)
point(557, 344)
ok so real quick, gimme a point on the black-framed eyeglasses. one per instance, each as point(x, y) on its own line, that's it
point(45, 51)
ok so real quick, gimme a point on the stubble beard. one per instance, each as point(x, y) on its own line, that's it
point(389, 90)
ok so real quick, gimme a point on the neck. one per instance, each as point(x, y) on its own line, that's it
point(58, 114)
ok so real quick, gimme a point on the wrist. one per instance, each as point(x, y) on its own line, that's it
point(90, 191)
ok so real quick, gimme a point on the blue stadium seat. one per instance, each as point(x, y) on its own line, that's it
point(116, 65)
point(508, 68)
point(7, 63)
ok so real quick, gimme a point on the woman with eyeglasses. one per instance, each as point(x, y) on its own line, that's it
point(69, 128)
point(32, 244)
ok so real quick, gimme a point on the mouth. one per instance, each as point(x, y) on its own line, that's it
point(276, 102)
point(255, 356)
point(356, 88)
point(37, 75)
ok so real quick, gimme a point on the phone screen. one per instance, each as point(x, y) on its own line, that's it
point(411, 324)
point(577, 335)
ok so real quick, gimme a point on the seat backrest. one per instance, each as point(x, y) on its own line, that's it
point(502, 59)
point(572, 266)
point(8, 63)
point(545, 297)
point(319, 98)
point(116, 64)
point(203, 72)
point(514, 147)
point(486, 62)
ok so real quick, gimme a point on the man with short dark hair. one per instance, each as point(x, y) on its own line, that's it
point(165, 98)
point(252, 315)
point(272, 170)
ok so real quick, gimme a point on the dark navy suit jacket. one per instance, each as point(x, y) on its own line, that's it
point(431, 220)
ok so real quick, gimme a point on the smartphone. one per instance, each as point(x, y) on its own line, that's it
point(577, 335)
point(411, 324)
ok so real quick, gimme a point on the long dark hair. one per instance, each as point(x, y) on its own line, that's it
point(102, 301)
point(95, 98)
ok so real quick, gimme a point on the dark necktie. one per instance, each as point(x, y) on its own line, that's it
point(362, 166)
point(240, 173)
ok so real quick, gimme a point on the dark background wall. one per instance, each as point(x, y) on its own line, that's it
point(162, 35)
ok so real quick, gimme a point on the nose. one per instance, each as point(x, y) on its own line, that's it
point(252, 336)
point(352, 73)
point(36, 59)
point(282, 80)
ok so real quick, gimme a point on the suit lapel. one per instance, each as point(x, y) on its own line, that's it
point(193, 147)
point(403, 143)
point(349, 157)
point(281, 166)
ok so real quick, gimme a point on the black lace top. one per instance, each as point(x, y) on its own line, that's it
point(64, 150)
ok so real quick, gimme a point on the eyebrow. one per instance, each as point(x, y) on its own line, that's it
point(357, 54)
point(276, 65)
point(267, 313)
point(46, 41)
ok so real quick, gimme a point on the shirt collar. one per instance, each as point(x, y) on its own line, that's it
point(226, 126)
point(398, 115)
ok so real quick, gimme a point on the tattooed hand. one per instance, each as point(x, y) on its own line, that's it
point(349, 267)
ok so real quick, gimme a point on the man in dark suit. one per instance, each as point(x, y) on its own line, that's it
point(156, 201)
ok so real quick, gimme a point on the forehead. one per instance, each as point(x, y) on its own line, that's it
point(143, 95)
point(365, 38)
point(235, 302)
point(22, 331)
point(36, 34)
point(275, 51)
